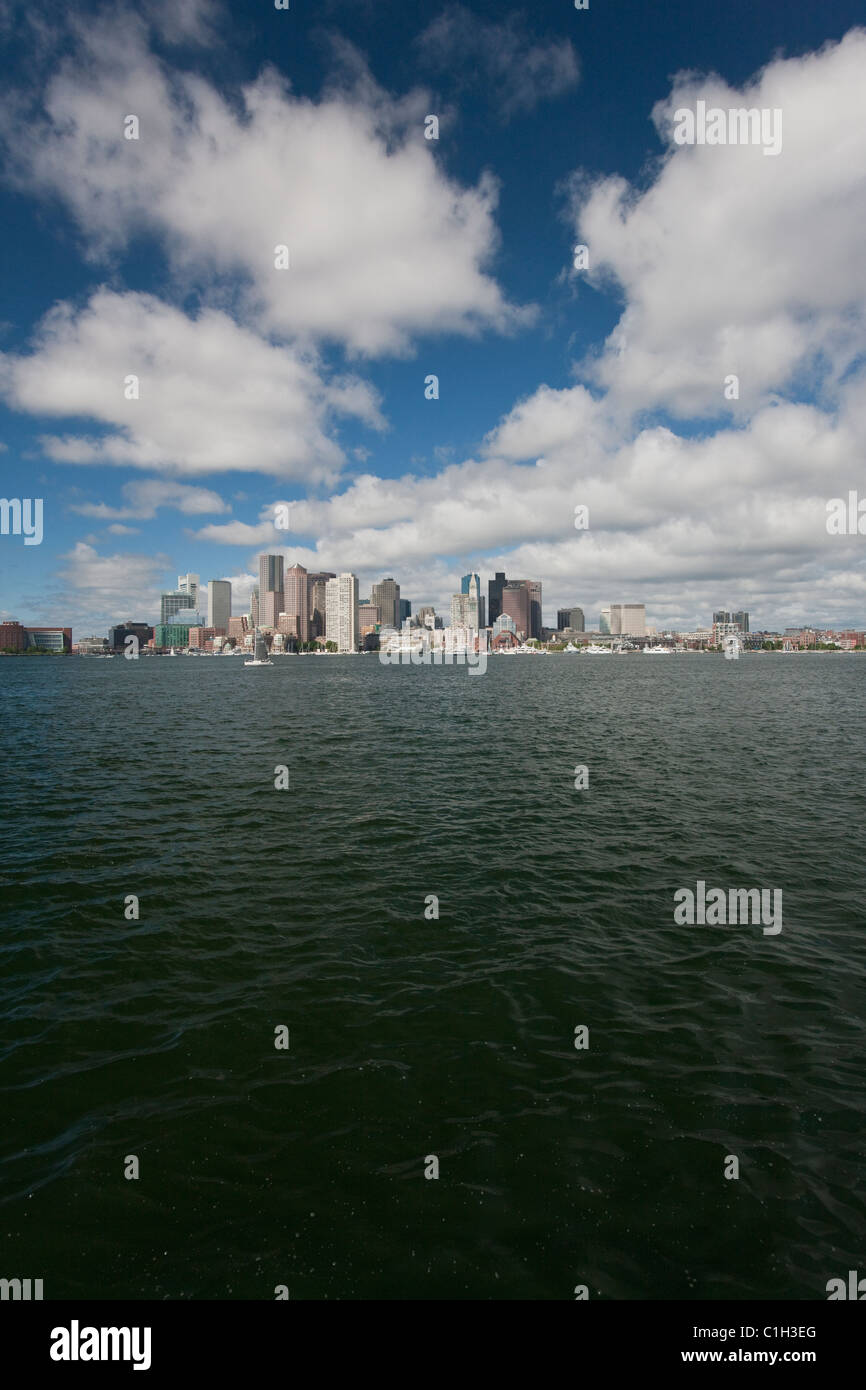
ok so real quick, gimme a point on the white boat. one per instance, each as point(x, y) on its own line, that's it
point(260, 652)
point(658, 650)
point(593, 650)
point(172, 652)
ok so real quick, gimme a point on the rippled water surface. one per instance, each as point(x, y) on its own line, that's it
point(412, 1037)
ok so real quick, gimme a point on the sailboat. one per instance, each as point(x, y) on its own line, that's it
point(260, 652)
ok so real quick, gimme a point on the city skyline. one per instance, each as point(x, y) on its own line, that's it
point(446, 397)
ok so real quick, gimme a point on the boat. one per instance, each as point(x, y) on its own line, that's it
point(172, 652)
point(260, 652)
point(658, 650)
point(592, 649)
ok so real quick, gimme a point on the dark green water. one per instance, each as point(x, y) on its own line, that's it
point(412, 1037)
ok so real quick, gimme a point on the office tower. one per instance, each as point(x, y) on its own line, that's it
point(533, 587)
point(386, 597)
point(516, 604)
point(219, 604)
point(171, 602)
point(633, 620)
point(604, 620)
point(341, 612)
point(494, 597)
point(316, 590)
point(271, 597)
point(368, 617)
point(254, 606)
point(742, 618)
point(189, 584)
point(466, 606)
point(572, 618)
point(405, 610)
point(296, 600)
point(471, 584)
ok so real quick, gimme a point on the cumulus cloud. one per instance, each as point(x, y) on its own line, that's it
point(501, 56)
point(143, 500)
point(382, 244)
point(733, 263)
point(212, 396)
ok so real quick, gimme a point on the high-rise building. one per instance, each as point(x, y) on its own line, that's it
point(428, 617)
point(572, 618)
point(189, 584)
point(533, 588)
point(405, 610)
point(316, 590)
point(386, 596)
point(219, 603)
point(271, 597)
point(516, 604)
point(171, 602)
point(297, 600)
point(604, 620)
point(471, 584)
point(494, 597)
point(254, 606)
point(624, 619)
point(368, 618)
point(341, 612)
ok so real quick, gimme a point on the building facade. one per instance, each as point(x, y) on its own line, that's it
point(271, 599)
point(219, 603)
point(341, 612)
point(297, 600)
point(386, 596)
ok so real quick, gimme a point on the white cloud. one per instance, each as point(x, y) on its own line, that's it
point(382, 243)
point(143, 500)
point(99, 589)
point(213, 396)
point(735, 263)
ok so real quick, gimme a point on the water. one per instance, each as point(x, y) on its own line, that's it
point(412, 1037)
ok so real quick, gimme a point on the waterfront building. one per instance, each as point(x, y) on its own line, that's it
point(13, 636)
point(219, 603)
point(341, 612)
point(741, 618)
point(118, 634)
point(50, 639)
point(91, 646)
point(202, 638)
point(624, 619)
point(386, 596)
point(171, 635)
point(238, 628)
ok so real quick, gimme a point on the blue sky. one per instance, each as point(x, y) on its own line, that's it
point(409, 257)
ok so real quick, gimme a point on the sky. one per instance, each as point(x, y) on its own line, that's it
point(168, 375)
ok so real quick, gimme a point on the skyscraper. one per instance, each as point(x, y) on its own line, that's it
point(271, 597)
point(571, 617)
point(296, 602)
point(189, 584)
point(626, 619)
point(219, 604)
point(741, 618)
point(341, 612)
point(516, 605)
point(405, 610)
point(471, 584)
point(533, 588)
point(386, 597)
point(494, 597)
point(316, 583)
